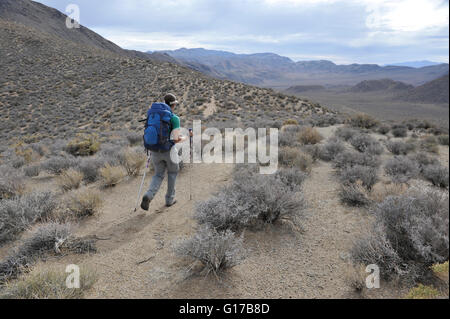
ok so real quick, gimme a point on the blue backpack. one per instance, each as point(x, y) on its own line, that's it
point(158, 128)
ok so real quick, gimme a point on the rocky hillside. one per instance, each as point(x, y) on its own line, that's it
point(52, 86)
point(380, 85)
point(435, 91)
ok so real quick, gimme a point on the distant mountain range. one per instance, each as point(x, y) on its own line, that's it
point(433, 92)
point(415, 64)
point(272, 70)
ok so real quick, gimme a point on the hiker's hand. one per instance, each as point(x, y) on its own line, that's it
point(181, 139)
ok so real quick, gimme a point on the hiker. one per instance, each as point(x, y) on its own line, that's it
point(161, 134)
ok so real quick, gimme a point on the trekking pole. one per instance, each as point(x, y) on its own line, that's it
point(142, 183)
point(191, 158)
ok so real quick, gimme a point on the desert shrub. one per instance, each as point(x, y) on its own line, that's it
point(380, 191)
point(399, 131)
point(331, 149)
point(346, 133)
point(217, 251)
point(134, 138)
point(423, 292)
point(44, 239)
point(443, 140)
point(70, 179)
point(350, 159)
point(423, 160)
point(57, 164)
point(287, 139)
point(32, 170)
point(292, 177)
point(40, 148)
point(17, 162)
point(293, 157)
point(111, 154)
point(365, 174)
point(47, 283)
point(84, 203)
point(133, 161)
point(111, 175)
point(401, 169)
point(18, 213)
point(309, 136)
point(362, 121)
point(399, 148)
point(312, 150)
point(324, 120)
point(437, 174)
point(12, 183)
point(83, 145)
point(429, 144)
point(410, 235)
point(384, 129)
point(365, 143)
point(249, 202)
point(90, 167)
point(354, 194)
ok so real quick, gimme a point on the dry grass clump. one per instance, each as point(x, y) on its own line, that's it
point(423, 292)
point(70, 179)
point(294, 157)
point(47, 283)
point(290, 122)
point(309, 136)
point(111, 175)
point(356, 276)
point(362, 121)
point(83, 145)
point(440, 270)
point(133, 161)
point(84, 202)
point(380, 191)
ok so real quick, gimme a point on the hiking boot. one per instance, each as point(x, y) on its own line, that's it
point(145, 202)
point(173, 203)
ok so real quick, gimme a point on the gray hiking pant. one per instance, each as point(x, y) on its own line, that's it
point(162, 162)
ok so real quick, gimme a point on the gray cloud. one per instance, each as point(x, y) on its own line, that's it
point(363, 31)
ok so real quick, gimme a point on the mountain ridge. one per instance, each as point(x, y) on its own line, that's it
point(273, 70)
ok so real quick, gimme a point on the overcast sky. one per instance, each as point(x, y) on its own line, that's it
point(343, 31)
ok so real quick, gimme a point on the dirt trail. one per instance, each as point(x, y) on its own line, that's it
point(281, 262)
